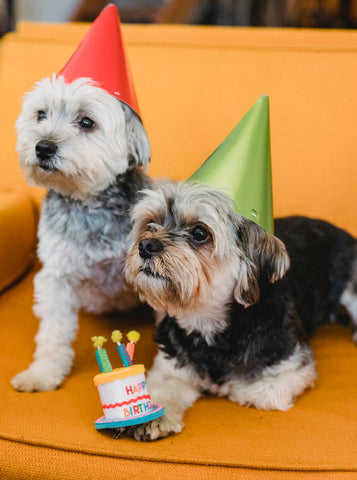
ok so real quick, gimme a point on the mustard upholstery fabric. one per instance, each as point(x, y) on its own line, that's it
point(194, 84)
point(318, 433)
point(17, 233)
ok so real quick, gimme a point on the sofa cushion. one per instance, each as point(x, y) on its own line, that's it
point(18, 233)
point(318, 433)
point(195, 83)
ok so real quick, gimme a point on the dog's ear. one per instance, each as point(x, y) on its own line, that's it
point(139, 152)
point(265, 259)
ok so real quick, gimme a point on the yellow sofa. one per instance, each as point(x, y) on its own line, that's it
point(194, 84)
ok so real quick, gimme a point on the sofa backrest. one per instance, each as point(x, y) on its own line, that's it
point(195, 83)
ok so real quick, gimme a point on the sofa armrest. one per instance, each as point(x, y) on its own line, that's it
point(18, 233)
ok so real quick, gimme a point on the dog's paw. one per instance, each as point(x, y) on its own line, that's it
point(118, 432)
point(156, 429)
point(36, 379)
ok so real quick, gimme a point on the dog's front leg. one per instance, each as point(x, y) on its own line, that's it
point(175, 389)
point(57, 306)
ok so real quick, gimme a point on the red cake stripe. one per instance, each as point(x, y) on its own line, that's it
point(111, 405)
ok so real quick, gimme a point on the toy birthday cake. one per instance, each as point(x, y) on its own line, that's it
point(123, 391)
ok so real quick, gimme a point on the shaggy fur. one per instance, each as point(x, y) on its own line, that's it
point(88, 149)
point(233, 319)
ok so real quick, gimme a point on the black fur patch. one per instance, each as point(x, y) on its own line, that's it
point(322, 257)
point(288, 311)
point(256, 337)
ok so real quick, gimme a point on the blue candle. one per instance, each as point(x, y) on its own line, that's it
point(124, 355)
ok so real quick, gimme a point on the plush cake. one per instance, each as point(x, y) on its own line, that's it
point(123, 391)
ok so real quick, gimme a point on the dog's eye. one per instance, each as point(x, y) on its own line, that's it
point(41, 115)
point(199, 234)
point(86, 123)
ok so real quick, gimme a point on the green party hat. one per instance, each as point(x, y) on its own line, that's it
point(241, 166)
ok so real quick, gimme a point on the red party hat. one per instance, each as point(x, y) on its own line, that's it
point(101, 57)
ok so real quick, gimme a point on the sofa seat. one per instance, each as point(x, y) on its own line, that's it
point(318, 434)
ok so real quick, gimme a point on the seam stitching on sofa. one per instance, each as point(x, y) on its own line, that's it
point(223, 465)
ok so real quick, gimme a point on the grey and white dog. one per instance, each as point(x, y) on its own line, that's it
point(89, 150)
point(235, 304)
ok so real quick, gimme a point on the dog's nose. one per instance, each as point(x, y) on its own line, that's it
point(149, 247)
point(45, 149)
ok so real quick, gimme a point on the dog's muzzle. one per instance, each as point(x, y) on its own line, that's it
point(45, 150)
point(149, 247)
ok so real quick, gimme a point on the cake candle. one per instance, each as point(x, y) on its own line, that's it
point(116, 337)
point(101, 354)
point(133, 338)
